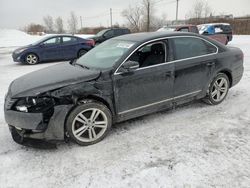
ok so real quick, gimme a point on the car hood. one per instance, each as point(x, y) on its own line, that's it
point(24, 47)
point(50, 78)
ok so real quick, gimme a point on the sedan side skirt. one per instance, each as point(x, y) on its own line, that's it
point(159, 102)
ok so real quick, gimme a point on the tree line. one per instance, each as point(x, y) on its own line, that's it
point(57, 25)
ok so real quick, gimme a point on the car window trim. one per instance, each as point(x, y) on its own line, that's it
point(51, 44)
point(169, 62)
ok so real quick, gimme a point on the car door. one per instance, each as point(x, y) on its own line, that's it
point(69, 47)
point(147, 89)
point(194, 64)
point(51, 49)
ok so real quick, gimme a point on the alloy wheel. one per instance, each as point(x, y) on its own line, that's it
point(219, 89)
point(31, 59)
point(89, 125)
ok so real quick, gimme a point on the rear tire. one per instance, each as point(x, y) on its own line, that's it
point(81, 53)
point(218, 89)
point(31, 59)
point(89, 123)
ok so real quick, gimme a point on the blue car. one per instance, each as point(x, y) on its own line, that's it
point(53, 48)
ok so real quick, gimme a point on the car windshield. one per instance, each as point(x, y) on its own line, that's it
point(101, 32)
point(202, 28)
point(105, 55)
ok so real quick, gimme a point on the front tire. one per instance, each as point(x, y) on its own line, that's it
point(31, 59)
point(218, 89)
point(89, 123)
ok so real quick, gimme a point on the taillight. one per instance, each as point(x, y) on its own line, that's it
point(90, 42)
point(242, 56)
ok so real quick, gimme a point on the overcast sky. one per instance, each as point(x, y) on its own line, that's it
point(17, 13)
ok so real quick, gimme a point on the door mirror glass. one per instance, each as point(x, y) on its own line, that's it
point(130, 66)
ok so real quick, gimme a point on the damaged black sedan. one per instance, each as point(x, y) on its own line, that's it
point(122, 78)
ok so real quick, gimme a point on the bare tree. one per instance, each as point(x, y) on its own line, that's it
point(207, 10)
point(73, 23)
point(34, 28)
point(59, 25)
point(201, 9)
point(48, 21)
point(140, 16)
point(198, 8)
point(158, 22)
point(134, 17)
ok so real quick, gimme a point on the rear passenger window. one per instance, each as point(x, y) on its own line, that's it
point(188, 47)
point(69, 39)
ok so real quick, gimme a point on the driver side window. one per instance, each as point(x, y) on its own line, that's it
point(150, 54)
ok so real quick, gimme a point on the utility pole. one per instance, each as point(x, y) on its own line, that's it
point(81, 21)
point(148, 16)
point(177, 7)
point(111, 19)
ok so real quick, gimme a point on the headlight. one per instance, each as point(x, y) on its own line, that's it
point(20, 50)
point(35, 105)
point(22, 108)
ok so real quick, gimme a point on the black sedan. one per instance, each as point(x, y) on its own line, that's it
point(122, 78)
point(53, 48)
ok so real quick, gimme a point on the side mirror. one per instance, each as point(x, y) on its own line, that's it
point(130, 66)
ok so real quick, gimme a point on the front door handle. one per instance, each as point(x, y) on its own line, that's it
point(210, 64)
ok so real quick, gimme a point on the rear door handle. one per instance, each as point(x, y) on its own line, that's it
point(169, 74)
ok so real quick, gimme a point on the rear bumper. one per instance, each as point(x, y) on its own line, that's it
point(26, 127)
point(237, 75)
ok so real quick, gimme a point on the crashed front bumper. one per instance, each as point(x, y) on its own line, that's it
point(26, 127)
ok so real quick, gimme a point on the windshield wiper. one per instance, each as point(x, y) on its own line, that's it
point(83, 66)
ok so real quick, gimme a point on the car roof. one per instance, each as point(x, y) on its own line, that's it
point(216, 24)
point(143, 37)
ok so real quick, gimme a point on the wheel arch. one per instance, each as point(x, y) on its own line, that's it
point(31, 52)
point(99, 99)
point(229, 75)
point(85, 99)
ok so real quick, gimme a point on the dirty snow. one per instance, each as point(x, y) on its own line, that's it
point(193, 146)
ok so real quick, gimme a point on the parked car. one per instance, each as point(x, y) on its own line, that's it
point(108, 34)
point(123, 78)
point(217, 28)
point(194, 29)
point(183, 28)
point(53, 48)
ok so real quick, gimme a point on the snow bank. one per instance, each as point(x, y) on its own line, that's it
point(15, 38)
